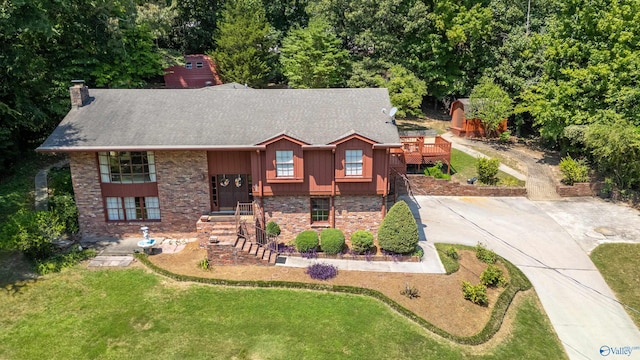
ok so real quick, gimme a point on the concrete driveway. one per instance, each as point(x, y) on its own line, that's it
point(549, 242)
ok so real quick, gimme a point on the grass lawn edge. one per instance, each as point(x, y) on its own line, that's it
point(518, 283)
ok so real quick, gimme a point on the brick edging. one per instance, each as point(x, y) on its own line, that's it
point(580, 189)
point(428, 185)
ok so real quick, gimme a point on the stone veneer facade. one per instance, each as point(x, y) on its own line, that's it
point(355, 213)
point(352, 213)
point(183, 193)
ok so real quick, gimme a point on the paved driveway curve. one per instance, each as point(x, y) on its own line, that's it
point(582, 308)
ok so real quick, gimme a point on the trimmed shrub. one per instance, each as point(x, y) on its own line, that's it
point(306, 241)
point(321, 271)
point(361, 241)
point(331, 241)
point(477, 294)
point(573, 171)
point(452, 252)
point(492, 276)
point(398, 232)
point(488, 170)
point(485, 255)
point(272, 229)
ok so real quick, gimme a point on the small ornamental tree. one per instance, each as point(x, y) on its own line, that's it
point(272, 229)
point(399, 232)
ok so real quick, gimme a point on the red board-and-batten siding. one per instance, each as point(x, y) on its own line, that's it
point(179, 77)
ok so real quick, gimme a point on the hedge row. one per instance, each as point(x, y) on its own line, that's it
point(518, 282)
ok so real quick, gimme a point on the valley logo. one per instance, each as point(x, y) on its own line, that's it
point(621, 350)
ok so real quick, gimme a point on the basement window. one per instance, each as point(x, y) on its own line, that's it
point(319, 210)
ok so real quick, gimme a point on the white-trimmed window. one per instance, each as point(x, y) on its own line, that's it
point(127, 167)
point(353, 163)
point(284, 163)
point(132, 208)
point(188, 66)
point(199, 64)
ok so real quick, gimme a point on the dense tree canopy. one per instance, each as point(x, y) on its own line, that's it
point(311, 57)
point(244, 44)
point(568, 65)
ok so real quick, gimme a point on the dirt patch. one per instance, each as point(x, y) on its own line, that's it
point(440, 301)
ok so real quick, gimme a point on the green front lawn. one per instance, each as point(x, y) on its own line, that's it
point(79, 314)
point(618, 264)
point(463, 167)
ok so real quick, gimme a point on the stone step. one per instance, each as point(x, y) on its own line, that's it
point(222, 232)
point(222, 218)
point(240, 243)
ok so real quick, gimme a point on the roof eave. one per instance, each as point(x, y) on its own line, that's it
point(147, 148)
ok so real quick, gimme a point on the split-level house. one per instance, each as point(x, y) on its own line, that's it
point(162, 158)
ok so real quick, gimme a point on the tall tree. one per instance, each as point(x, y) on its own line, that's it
point(194, 25)
point(244, 45)
point(311, 57)
point(491, 104)
point(405, 89)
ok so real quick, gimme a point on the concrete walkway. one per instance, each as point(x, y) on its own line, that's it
point(582, 308)
point(430, 263)
point(42, 188)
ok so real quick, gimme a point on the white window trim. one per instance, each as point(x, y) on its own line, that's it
point(284, 165)
point(353, 168)
point(124, 208)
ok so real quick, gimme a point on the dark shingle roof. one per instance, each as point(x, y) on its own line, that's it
point(218, 118)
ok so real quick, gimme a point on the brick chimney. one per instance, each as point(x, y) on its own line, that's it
point(79, 94)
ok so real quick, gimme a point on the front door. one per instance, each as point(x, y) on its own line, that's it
point(231, 189)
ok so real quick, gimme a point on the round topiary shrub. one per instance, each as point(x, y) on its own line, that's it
point(272, 229)
point(361, 241)
point(306, 241)
point(398, 232)
point(331, 241)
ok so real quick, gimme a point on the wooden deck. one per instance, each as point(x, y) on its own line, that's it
point(416, 151)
